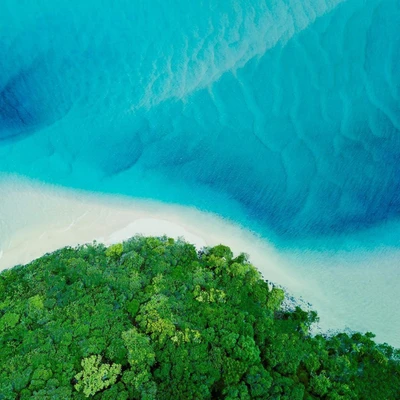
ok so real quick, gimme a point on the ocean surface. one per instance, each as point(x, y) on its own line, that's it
point(280, 115)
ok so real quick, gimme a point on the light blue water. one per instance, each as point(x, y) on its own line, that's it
point(283, 115)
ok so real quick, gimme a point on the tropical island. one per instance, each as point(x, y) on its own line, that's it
point(153, 318)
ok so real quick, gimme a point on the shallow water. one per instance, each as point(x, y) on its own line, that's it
point(283, 116)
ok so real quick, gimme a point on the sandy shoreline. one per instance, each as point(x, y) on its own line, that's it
point(37, 218)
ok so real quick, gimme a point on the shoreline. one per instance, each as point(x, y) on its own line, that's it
point(37, 218)
point(41, 218)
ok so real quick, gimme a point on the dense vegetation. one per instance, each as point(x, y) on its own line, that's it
point(153, 319)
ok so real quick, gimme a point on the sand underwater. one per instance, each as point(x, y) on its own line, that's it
point(280, 119)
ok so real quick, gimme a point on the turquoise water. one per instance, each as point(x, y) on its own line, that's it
point(281, 115)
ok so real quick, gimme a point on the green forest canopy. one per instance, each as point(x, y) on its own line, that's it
point(152, 318)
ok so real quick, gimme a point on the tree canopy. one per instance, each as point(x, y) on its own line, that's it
point(152, 318)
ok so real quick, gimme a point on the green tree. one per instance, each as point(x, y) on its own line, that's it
point(152, 318)
point(96, 376)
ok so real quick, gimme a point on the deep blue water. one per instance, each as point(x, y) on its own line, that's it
point(282, 115)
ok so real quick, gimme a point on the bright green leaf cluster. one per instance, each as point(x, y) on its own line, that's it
point(96, 376)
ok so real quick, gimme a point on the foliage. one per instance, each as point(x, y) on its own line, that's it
point(96, 376)
point(153, 319)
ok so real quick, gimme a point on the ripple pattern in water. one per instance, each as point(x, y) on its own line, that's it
point(283, 115)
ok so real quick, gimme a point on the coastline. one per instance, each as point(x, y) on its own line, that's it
point(37, 218)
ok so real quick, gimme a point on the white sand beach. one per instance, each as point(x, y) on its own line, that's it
point(36, 218)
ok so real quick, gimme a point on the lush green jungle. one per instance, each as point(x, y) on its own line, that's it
point(152, 318)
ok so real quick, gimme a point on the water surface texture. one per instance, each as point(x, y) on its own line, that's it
point(283, 115)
